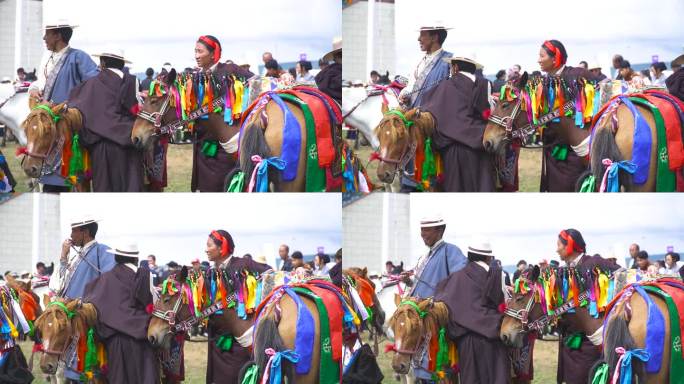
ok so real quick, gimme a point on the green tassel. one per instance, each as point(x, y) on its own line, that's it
point(370, 315)
point(225, 342)
point(91, 353)
point(574, 341)
point(601, 375)
point(442, 354)
point(251, 375)
point(589, 184)
point(76, 162)
point(237, 183)
point(560, 152)
point(429, 165)
point(210, 148)
point(32, 329)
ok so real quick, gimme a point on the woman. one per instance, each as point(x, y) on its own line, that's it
point(211, 163)
point(635, 79)
point(303, 67)
point(321, 268)
point(559, 172)
point(574, 364)
point(223, 366)
point(671, 264)
point(658, 76)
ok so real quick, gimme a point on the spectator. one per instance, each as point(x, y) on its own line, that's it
point(658, 76)
point(513, 72)
point(633, 252)
point(297, 260)
point(596, 70)
point(584, 64)
point(671, 266)
point(617, 64)
point(145, 84)
point(154, 270)
point(272, 68)
point(303, 75)
point(499, 82)
point(520, 268)
point(675, 82)
point(322, 64)
point(389, 268)
point(41, 270)
point(21, 76)
point(284, 253)
point(374, 77)
point(266, 57)
point(196, 266)
point(646, 75)
point(642, 261)
point(320, 264)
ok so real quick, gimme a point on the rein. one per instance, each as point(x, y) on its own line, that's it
point(523, 132)
point(185, 325)
point(156, 117)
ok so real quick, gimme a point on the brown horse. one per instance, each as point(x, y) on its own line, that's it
point(48, 129)
point(399, 143)
point(59, 328)
point(280, 326)
point(415, 324)
point(622, 330)
point(509, 122)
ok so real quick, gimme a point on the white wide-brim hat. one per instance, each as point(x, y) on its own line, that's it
point(337, 47)
point(114, 54)
point(59, 23)
point(434, 25)
point(128, 250)
point(82, 220)
point(432, 221)
point(481, 247)
point(451, 60)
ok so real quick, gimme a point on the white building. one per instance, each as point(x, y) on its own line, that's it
point(21, 35)
point(29, 231)
point(368, 38)
point(376, 230)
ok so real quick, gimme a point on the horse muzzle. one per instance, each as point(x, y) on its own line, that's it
point(512, 339)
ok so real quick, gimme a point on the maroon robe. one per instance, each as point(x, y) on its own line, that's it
point(675, 84)
point(457, 105)
point(224, 366)
point(209, 173)
point(329, 81)
point(473, 296)
point(105, 102)
point(121, 297)
point(574, 364)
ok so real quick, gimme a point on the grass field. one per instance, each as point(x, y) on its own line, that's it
point(529, 168)
point(545, 357)
point(179, 168)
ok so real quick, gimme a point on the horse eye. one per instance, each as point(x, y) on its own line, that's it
point(504, 105)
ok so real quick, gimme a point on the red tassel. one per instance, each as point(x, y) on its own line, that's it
point(150, 308)
point(374, 156)
point(502, 308)
point(390, 348)
point(21, 151)
point(486, 113)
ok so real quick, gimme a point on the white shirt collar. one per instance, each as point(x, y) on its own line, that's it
point(117, 71)
point(468, 75)
point(88, 244)
point(558, 71)
point(132, 267)
point(573, 262)
point(437, 244)
point(483, 265)
point(61, 51)
point(433, 54)
point(225, 262)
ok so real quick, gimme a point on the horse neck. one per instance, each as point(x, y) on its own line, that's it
point(230, 322)
point(582, 321)
point(217, 127)
point(569, 132)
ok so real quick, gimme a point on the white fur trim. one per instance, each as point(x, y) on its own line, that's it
point(582, 149)
point(597, 337)
point(246, 339)
point(231, 146)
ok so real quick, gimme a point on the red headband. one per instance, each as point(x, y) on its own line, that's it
point(571, 243)
point(557, 57)
point(214, 45)
point(225, 248)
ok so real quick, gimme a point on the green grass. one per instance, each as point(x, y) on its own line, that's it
point(179, 165)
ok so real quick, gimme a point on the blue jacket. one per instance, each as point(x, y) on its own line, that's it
point(445, 260)
point(85, 272)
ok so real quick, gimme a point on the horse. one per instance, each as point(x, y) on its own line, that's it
point(402, 136)
point(14, 107)
point(61, 328)
point(358, 280)
point(613, 139)
point(510, 120)
point(624, 326)
point(417, 325)
point(361, 109)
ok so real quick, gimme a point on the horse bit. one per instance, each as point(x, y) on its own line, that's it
point(155, 117)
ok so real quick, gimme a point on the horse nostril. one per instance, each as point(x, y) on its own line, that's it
point(487, 145)
point(152, 339)
point(504, 338)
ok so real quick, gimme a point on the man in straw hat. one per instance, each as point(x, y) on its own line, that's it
point(460, 107)
point(595, 68)
point(431, 69)
point(109, 107)
point(441, 260)
point(329, 79)
point(61, 69)
point(121, 297)
point(473, 296)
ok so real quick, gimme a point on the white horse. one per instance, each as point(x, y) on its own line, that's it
point(13, 111)
point(366, 110)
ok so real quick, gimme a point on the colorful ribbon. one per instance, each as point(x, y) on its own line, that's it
point(610, 181)
point(623, 369)
point(259, 177)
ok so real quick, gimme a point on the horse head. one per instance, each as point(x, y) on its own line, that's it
point(151, 116)
point(44, 125)
point(505, 117)
point(411, 323)
point(57, 328)
point(522, 308)
point(399, 132)
point(169, 310)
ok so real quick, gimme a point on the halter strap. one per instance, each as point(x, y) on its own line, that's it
point(397, 112)
point(421, 313)
point(66, 310)
point(47, 109)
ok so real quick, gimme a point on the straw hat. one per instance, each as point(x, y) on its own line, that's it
point(432, 221)
point(114, 54)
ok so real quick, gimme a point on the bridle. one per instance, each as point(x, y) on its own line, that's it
point(523, 314)
point(156, 117)
point(421, 345)
point(522, 133)
point(407, 154)
point(48, 160)
point(71, 344)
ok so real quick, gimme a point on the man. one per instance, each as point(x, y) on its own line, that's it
point(329, 79)
point(266, 57)
point(431, 69)
point(284, 253)
point(473, 295)
point(121, 297)
point(297, 260)
point(336, 271)
point(675, 82)
point(374, 77)
point(596, 70)
point(574, 364)
point(642, 262)
point(42, 271)
point(145, 84)
point(460, 106)
point(633, 252)
point(617, 64)
point(584, 64)
point(21, 76)
point(61, 69)
point(272, 69)
point(155, 271)
point(109, 107)
point(196, 266)
point(519, 268)
point(441, 260)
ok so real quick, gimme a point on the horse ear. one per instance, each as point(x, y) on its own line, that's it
point(534, 273)
point(46, 299)
point(397, 299)
point(364, 272)
point(32, 102)
point(171, 76)
point(522, 81)
point(384, 108)
point(59, 108)
point(183, 274)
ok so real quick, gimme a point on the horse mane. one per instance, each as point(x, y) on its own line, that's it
point(437, 316)
point(86, 316)
point(423, 126)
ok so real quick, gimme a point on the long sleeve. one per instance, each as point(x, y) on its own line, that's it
point(86, 66)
